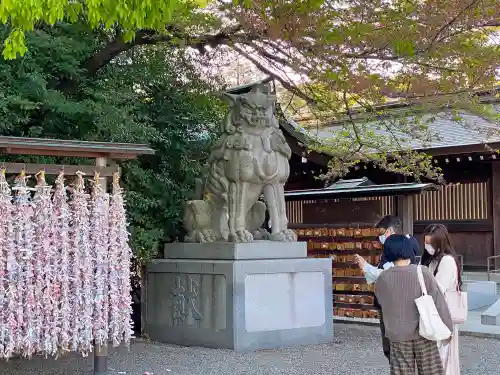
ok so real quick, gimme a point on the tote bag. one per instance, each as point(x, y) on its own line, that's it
point(431, 325)
point(457, 304)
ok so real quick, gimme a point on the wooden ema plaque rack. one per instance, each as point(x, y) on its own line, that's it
point(352, 296)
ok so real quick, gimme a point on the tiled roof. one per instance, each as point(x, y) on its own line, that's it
point(445, 131)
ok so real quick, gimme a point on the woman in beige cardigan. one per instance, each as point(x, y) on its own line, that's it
point(440, 257)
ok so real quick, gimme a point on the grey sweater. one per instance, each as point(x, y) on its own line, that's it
point(396, 290)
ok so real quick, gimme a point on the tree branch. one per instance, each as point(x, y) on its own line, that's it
point(451, 22)
point(290, 87)
point(148, 37)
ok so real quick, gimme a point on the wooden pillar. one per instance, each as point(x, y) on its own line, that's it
point(495, 212)
point(101, 351)
point(404, 209)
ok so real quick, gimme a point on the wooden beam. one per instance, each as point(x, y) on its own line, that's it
point(455, 226)
point(58, 147)
point(55, 169)
point(101, 163)
point(495, 199)
point(299, 150)
point(66, 153)
point(477, 148)
point(404, 207)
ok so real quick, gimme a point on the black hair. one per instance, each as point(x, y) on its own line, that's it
point(390, 221)
point(441, 242)
point(397, 247)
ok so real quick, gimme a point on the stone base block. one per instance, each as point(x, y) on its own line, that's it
point(491, 317)
point(481, 294)
point(239, 304)
point(235, 251)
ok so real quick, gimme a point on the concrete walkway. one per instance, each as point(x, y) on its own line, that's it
point(355, 350)
point(472, 327)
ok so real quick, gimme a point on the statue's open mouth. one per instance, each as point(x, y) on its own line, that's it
point(259, 120)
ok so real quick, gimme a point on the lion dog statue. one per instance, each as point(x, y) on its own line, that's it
point(249, 161)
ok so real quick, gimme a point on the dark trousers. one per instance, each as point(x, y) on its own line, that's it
point(386, 345)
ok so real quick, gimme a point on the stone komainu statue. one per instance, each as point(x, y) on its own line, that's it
point(250, 158)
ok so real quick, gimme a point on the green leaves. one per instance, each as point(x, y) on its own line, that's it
point(14, 45)
point(131, 15)
point(404, 48)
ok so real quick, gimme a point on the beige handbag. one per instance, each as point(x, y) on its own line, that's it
point(457, 304)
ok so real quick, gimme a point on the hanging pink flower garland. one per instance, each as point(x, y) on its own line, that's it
point(8, 270)
point(64, 276)
point(99, 223)
point(64, 268)
point(46, 258)
point(23, 239)
point(120, 299)
point(83, 268)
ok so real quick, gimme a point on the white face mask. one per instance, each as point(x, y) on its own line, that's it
point(430, 249)
point(384, 236)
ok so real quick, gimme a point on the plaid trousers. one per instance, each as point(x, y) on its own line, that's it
point(421, 352)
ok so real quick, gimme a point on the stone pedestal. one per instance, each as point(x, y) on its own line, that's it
point(262, 295)
point(481, 294)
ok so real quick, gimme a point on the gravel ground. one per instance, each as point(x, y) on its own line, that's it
point(355, 350)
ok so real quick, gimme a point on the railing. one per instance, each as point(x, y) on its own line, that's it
point(490, 261)
point(461, 261)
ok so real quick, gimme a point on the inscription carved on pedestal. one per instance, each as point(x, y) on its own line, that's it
point(185, 300)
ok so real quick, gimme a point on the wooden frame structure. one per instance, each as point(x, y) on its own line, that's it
point(103, 153)
point(402, 205)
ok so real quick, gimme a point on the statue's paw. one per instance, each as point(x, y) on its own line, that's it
point(240, 236)
point(207, 235)
point(278, 237)
point(261, 234)
point(202, 236)
point(290, 235)
point(287, 235)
